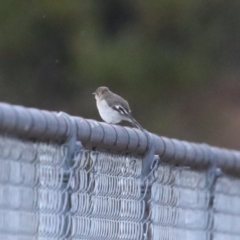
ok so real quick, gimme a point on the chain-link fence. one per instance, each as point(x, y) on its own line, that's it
point(65, 177)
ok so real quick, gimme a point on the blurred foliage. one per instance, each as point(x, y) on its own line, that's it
point(176, 62)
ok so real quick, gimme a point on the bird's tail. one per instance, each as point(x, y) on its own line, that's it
point(135, 123)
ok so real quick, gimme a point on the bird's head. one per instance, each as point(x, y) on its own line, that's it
point(101, 92)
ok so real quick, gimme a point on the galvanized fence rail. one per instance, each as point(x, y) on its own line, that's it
point(65, 177)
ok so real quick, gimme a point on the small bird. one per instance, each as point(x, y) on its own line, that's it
point(113, 108)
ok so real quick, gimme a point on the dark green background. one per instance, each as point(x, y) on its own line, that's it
point(176, 62)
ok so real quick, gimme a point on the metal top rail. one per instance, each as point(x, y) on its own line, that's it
point(45, 125)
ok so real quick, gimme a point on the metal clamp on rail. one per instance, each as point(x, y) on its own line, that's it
point(150, 160)
point(71, 146)
point(214, 173)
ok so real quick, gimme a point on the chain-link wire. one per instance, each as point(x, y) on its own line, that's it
point(193, 204)
point(32, 201)
point(103, 195)
point(18, 191)
point(226, 209)
point(106, 197)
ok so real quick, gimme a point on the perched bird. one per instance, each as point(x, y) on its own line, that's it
point(113, 108)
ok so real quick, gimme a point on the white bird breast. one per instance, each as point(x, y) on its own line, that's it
point(108, 114)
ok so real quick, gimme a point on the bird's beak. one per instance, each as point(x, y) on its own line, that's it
point(94, 93)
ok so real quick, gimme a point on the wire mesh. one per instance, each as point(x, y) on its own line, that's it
point(106, 200)
point(178, 206)
point(103, 195)
point(32, 201)
point(226, 209)
point(193, 204)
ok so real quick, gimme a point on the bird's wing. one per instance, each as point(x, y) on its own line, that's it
point(121, 110)
point(124, 112)
point(122, 106)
